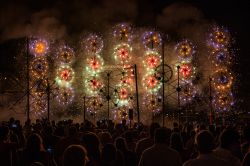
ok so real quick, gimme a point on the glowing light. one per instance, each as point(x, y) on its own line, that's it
point(122, 53)
point(127, 81)
point(38, 47)
point(122, 95)
point(151, 40)
point(93, 44)
point(221, 57)
point(65, 76)
point(186, 70)
point(222, 79)
point(123, 31)
point(65, 54)
point(152, 102)
point(39, 67)
point(93, 85)
point(94, 64)
point(223, 101)
point(152, 60)
point(151, 83)
point(94, 104)
point(38, 106)
point(185, 50)
point(219, 37)
point(188, 92)
point(120, 113)
point(65, 96)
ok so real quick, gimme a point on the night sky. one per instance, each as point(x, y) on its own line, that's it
point(69, 18)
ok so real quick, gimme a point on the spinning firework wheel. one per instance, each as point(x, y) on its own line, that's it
point(167, 73)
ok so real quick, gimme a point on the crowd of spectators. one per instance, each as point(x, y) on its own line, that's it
point(65, 143)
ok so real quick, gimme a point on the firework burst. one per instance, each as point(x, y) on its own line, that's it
point(39, 67)
point(151, 40)
point(123, 32)
point(65, 54)
point(185, 50)
point(219, 38)
point(38, 47)
point(93, 44)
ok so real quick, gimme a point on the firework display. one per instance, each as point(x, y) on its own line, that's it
point(122, 95)
point(185, 50)
point(151, 40)
point(219, 41)
point(65, 96)
point(39, 105)
point(151, 83)
point(127, 80)
point(219, 38)
point(188, 93)
point(65, 76)
point(152, 60)
point(93, 44)
point(65, 54)
point(122, 53)
point(186, 70)
point(93, 85)
point(222, 80)
point(94, 104)
point(223, 101)
point(221, 57)
point(120, 113)
point(152, 102)
point(114, 81)
point(94, 64)
point(38, 47)
point(123, 32)
point(39, 67)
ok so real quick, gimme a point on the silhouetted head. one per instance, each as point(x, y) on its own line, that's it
point(75, 155)
point(205, 142)
point(162, 135)
point(34, 143)
point(152, 129)
point(229, 138)
point(108, 153)
point(92, 144)
point(72, 131)
point(105, 137)
point(246, 133)
point(176, 141)
point(120, 144)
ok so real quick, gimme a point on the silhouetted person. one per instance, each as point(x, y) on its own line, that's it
point(190, 145)
point(245, 146)
point(176, 143)
point(105, 137)
point(111, 157)
point(146, 142)
point(75, 155)
point(92, 144)
point(229, 145)
point(205, 144)
point(160, 154)
point(246, 160)
point(8, 155)
point(34, 151)
point(71, 139)
point(129, 156)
